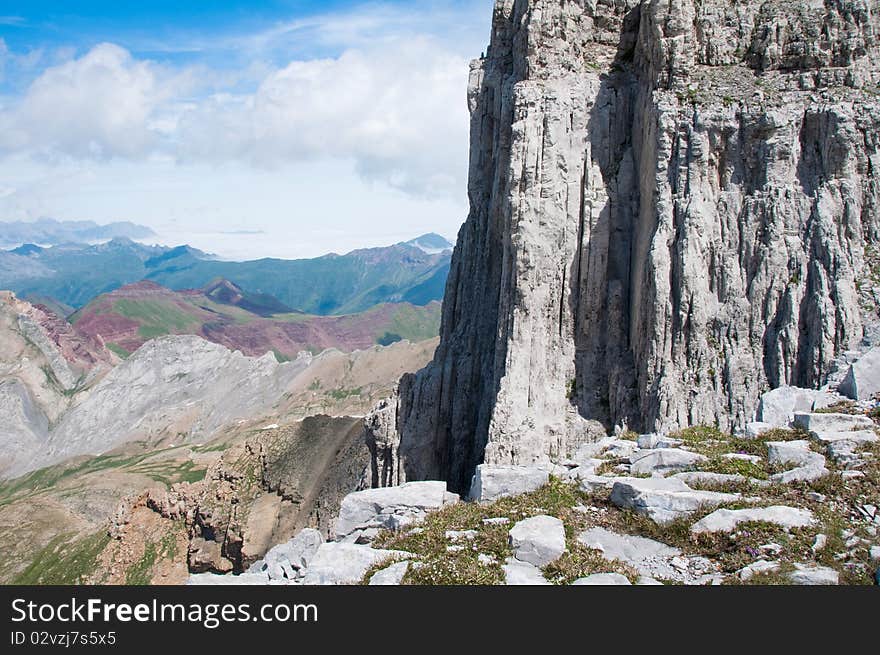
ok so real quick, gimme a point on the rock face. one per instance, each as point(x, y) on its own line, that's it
point(672, 211)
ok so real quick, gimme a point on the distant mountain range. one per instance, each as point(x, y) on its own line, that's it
point(254, 324)
point(74, 274)
point(49, 232)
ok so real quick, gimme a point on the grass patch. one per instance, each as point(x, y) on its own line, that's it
point(729, 466)
point(580, 562)
point(118, 350)
point(141, 573)
point(64, 562)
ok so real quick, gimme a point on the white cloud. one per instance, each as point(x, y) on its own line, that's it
point(398, 111)
point(99, 105)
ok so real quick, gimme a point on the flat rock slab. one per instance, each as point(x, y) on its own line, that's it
point(801, 474)
point(663, 461)
point(390, 577)
point(726, 520)
point(797, 453)
point(493, 482)
point(664, 500)
point(832, 422)
point(377, 508)
point(855, 436)
point(813, 575)
point(625, 548)
point(345, 564)
point(742, 457)
point(603, 579)
point(692, 478)
point(522, 574)
point(862, 381)
point(539, 540)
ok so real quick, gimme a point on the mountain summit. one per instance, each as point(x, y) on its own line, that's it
point(431, 243)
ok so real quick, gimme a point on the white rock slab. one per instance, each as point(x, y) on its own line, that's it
point(813, 575)
point(663, 461)
point(518, 573)
point(797, 453)
point(832, 422)
point(338, 563)
point(493, 482)
point(539, 540)
point(726, 520)
point(664, 499)
point(375, 508)
point(391, 576)
point(755, 568)
point(855, 436)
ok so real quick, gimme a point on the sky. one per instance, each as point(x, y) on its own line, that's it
point(285, 128)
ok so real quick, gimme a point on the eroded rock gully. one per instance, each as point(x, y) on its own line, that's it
point(673, 210)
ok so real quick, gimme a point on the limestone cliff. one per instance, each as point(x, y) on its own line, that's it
point(673, 209)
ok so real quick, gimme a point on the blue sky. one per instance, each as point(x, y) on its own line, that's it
point(320, 126)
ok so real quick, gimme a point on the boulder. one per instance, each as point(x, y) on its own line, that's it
point(384, 507)
point(663, 461)
point(604, 579)
point(664, 500)
point(726, 520)
point(287, 560)
point(797, 453)
point(777, 407)
point(755, 568)
point(589, 451)
point(539, 540)
point(757, 429)
point(832, 422)
point(345, 564)
point(493, 482)
point(813, 575)
point(522, 573)
point(391, 576)
point(862, 381)
point(207, 556)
